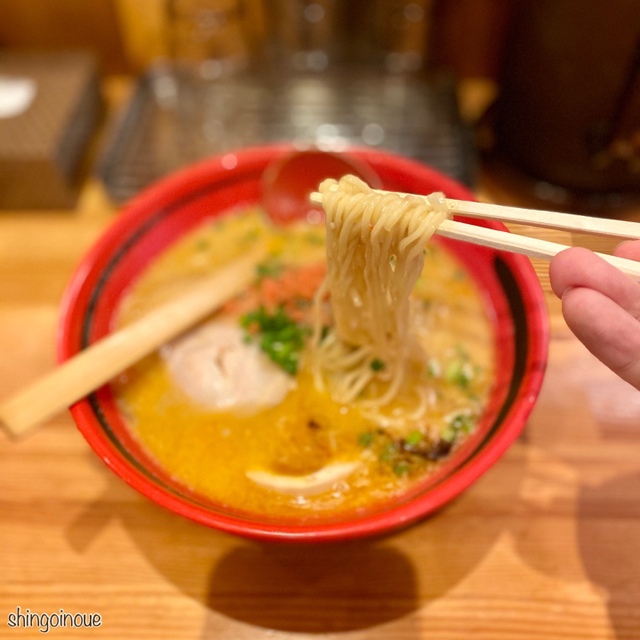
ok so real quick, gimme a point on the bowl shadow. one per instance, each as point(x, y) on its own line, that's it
point(375, 584)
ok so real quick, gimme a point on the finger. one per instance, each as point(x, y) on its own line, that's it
point(607, 330)
point(570, 268)
point(579, 267)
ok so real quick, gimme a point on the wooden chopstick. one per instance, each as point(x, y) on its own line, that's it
point(103, 360)
point(540, 218)
point(525, 245)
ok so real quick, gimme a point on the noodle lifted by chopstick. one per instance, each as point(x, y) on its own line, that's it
point(375, 254)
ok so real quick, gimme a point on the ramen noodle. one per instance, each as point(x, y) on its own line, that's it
point(375, 253)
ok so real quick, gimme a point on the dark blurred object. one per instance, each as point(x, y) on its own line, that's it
point(568, 110)
point(42, 147)
point(175, 119)
point(468, 36)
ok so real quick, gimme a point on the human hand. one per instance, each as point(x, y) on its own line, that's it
point(601, 305)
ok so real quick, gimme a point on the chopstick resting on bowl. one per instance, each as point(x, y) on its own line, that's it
point(103, 360)
point(525, 245)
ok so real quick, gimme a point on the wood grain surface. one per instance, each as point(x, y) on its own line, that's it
point(545, 546)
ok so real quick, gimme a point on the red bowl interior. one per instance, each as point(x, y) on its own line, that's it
point(152, 221)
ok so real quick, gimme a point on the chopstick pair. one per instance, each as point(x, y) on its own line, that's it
point(531, 247)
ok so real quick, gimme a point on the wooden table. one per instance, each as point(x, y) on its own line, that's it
point(546, 545)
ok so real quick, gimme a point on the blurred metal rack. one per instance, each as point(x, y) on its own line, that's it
point(175, 118)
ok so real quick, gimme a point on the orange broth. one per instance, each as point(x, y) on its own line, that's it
point(210, 451)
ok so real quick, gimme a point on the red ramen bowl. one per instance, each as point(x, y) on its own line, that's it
point(176, 205)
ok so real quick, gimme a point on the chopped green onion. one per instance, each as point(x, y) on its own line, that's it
point(281, 338)
point(459, 423)
point(414, 438)
point(389, 451)
point(270, 268)
point(401, 468)
point(365, 439)
point(462, 422)
point(449, 434)
point(459, 372)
